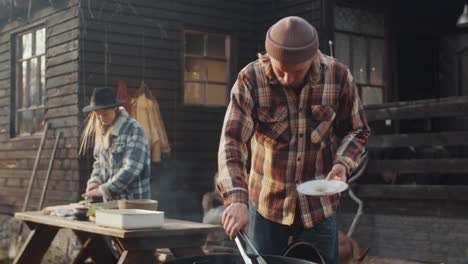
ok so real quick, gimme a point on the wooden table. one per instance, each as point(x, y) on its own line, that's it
point(183, 238)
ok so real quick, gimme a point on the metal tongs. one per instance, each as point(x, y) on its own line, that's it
point(247, 260)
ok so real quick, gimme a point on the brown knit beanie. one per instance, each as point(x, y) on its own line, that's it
point(292, 40)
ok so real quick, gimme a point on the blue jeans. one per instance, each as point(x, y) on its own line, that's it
point(271, 238)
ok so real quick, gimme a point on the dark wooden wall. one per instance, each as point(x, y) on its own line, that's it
point(417, 210)
point(17, 155)
point(137, 39)
point(109, 41)
point(198, 129)
point(98, 45)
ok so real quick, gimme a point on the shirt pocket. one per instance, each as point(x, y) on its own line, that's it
point(273, 123)
point(117, 153)
point(323, 117)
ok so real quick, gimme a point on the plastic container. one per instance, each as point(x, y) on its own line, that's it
point(130, 218)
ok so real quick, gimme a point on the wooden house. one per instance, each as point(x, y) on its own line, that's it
point(53, 53)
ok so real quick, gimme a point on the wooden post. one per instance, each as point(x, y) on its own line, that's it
point(49, 170)
point(36, 163)
point(31, 181)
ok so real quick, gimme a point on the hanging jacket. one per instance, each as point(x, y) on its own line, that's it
point(146, 112)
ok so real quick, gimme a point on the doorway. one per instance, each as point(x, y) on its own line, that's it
point(417, 66)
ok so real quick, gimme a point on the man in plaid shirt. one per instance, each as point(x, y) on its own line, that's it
point(300, 112)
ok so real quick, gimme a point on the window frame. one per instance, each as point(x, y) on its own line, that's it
point(227, 59)
point(16, 78)
point(367, 37)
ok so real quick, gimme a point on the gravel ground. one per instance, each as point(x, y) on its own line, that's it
point(376, 260)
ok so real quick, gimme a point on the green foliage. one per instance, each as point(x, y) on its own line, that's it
point(92, 210)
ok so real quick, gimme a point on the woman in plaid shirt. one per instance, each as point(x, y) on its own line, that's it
point(301, 114)
point(121, 169)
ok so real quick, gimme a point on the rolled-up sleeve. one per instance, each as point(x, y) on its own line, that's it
point(237, 130)
point(352, 123)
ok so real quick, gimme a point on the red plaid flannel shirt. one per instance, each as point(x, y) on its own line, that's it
point(293, 139)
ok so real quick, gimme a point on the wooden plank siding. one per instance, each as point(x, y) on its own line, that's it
point(448, 139)
point(421, 215)
point(430, 108)
point(198, 128)
point(99, 43)
point(17, 155)
point(422, 192)
point(454, 138)
point(144, 40)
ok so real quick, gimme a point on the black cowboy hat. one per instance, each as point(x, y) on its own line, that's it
point(102, 98)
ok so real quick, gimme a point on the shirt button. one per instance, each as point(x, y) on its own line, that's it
point(301, 135)
point(297, 181)
point(299, 159)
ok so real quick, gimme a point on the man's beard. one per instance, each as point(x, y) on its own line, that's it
point(295, 85)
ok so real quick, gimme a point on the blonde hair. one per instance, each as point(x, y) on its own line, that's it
point(313, 75)
point(94, 133)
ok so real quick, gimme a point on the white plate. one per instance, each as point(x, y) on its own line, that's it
point(322, 187)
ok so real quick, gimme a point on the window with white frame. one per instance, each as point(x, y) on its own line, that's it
point(206, 68)
point(30, 92)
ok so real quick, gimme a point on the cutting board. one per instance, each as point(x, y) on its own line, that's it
point(69, 207)
point(73, 206)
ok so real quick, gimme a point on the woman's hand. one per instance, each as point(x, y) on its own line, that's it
point(235, 218)
point(93, 193)
point(92, 186)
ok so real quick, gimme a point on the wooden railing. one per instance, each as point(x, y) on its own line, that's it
point(449, 113)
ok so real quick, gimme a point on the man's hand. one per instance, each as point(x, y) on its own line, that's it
point(338, 173)
point(235, 218)
point(92, 186)
point(93, 193)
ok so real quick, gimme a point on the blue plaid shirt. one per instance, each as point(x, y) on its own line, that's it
point(123, 169)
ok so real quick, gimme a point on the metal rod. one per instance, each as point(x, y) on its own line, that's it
point(34, 171)
point(11, 11)
point(244, 255)
point(49, 170)
point(358, 213)
point(357, 173)
point(29, 10)
point(260, 259)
